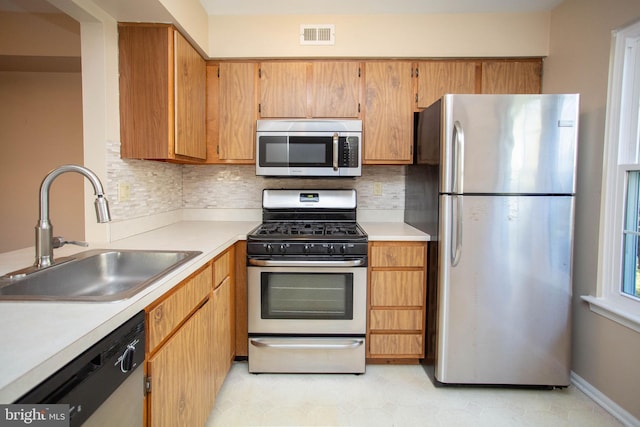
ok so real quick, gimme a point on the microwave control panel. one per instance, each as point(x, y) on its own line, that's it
point(348, 154)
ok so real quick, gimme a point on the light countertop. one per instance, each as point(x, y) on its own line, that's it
point(40, 337)
point(393, 231)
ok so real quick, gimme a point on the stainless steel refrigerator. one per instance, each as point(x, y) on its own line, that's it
point(493, 182)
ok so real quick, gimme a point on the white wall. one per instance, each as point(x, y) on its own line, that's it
point(443, 35)
point(605, 353)
point(40, 124)
point(41, 129)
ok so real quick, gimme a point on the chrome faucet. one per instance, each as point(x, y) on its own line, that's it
point(44, 230)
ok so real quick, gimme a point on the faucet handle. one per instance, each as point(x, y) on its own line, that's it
point(59, 241)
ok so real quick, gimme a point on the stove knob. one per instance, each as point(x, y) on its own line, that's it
point(269, 249)
point(283, 248)
point(306, 249)
point(330, 249)
point(343, 249)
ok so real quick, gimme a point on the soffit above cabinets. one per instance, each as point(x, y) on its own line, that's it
point(367, 7)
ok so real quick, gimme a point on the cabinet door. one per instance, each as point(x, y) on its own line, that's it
point(388, 120)
point(240, 300)
point(436, 78)
point(335, 89)
point(283, 89)
point(181, 375)
point(145, 109)
point(223, 351)
point(190, 103)
point(512, 76)
point(237, 111)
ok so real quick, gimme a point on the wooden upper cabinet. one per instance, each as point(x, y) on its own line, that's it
point(190, 103)
point(319, 89)
point(436, 78)
point(335, 89)
point(388, 114)
point(231, 112)
point(283, 89)
point(504, 76)
point(162, 95)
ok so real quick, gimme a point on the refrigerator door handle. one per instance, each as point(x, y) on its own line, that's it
point(458, 157)
point(456, 230)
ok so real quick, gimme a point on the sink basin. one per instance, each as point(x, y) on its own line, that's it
point(96, 275)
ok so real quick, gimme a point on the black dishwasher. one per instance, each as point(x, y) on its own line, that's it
point(106, 380)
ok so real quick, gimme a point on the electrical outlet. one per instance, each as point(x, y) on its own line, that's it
point(124, 192)
point(377, 189)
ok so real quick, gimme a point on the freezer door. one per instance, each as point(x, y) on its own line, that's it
point(504, 290)
point(509, 144)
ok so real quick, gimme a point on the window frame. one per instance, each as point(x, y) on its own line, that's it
point(621, 154)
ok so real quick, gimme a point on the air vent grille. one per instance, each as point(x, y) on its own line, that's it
point(318, 34)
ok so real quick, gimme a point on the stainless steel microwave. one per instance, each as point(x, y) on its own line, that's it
point(309, 147)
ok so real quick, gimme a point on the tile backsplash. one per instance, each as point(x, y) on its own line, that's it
point(159, 187)
point(221, 186)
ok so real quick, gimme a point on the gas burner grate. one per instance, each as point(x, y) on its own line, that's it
point(307, 229)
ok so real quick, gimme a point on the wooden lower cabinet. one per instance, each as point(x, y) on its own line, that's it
point(222, 343)
point(241, 302)
point(179, 362)
point(397, 302)
point(191, 345)
point(181, 375)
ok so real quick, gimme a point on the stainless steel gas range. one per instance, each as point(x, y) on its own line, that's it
point(307, 284)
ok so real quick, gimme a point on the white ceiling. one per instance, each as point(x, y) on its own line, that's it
point(31, 6)
point(360, 7)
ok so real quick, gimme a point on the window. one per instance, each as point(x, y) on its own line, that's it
point(619, 276)
point(631, 231)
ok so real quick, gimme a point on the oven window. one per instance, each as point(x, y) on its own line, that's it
point(307, 296)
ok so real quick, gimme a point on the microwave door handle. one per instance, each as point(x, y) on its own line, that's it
point(336, 139)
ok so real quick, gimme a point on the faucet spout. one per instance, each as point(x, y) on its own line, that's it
point(44, 229)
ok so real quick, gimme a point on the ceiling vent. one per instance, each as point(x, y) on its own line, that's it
point(318, 34)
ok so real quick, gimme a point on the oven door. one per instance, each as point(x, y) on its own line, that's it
point(307, 300)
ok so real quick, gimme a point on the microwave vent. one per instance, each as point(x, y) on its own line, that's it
point(318, 34)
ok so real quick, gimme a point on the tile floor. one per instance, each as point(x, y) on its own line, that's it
point(392, 395)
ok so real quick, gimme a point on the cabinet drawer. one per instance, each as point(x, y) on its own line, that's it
point(221, 268)
point(171, 311)
point(396, 345)
point(404, 255)
point(397, 288)
point(401, 320)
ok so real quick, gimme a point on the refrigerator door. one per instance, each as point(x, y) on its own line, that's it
point(504, 290)
point(508, 144)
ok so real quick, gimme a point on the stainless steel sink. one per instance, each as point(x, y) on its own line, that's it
point(96, 275)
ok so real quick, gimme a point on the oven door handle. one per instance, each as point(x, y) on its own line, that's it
point(351, 344)
point(275, 263)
